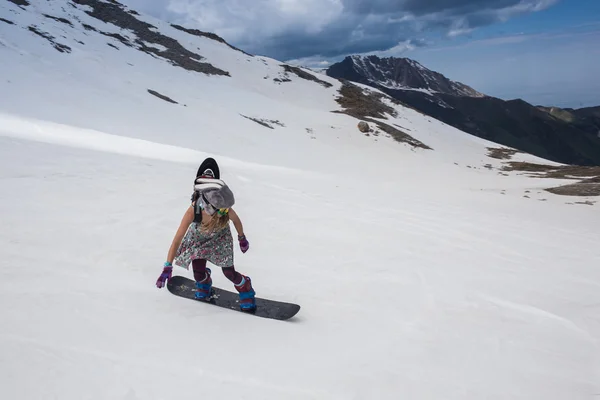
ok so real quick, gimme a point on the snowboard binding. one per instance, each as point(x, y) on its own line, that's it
point(204, 289)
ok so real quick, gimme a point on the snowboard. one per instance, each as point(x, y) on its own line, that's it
point(209, 163)
point(266, 308)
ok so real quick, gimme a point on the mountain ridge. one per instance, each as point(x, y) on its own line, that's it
point(514, 123)
point(90, 47)
point(400, 73)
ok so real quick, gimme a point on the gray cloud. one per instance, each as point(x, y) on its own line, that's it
point(306, 28)
point(424, 7)
point(456, 7)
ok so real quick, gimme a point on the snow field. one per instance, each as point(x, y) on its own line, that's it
point(428, 297)
point(421, 274)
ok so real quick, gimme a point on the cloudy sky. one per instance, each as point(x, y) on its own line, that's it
point(544, 51)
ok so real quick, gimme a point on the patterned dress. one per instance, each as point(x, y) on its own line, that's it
point(215, 247)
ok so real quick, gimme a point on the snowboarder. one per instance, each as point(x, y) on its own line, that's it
point(204, 235)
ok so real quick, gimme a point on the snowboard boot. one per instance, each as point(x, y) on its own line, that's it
point(244, 288)
point(204, 288)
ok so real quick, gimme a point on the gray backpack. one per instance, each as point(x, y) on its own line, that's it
point(211, 195)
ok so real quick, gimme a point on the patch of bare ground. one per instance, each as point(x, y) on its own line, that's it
point(527, 167)
point(554, 171)
point(366, 106)
point(305, 75)
point(358, 104)
point(398, 135)
point(576, 172)
point(501, 153)
point(581, 188)
point(589, 177)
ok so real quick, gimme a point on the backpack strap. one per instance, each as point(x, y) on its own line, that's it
point(197, 205)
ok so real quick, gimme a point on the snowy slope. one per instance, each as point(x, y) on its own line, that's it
point(455, 295)
point(418, 278)
point(98, 87)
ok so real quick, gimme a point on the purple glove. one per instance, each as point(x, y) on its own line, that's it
point(244, 245)
point(165, 276)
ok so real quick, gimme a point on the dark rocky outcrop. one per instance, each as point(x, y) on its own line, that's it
point(209, 35)
point(305, 75)
point(162, 96)
point(59, 19)
point(22, 3)
point(397, 73)
point(267, 123)
point(89, 28)
point(60, 47)
point(364, 127)
point(115, 13)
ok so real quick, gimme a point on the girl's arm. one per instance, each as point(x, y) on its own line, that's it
point(236, 222)
point(187, 219)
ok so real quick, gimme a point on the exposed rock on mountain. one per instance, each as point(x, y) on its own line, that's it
point(366, 105)
point(148, 37)
point(209, 35)
point(398, 73)
point(570, 138)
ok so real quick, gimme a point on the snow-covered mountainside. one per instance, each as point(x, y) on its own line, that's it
point(514, 123)
point(98, 65)
point(400, 74)
point(429, 263)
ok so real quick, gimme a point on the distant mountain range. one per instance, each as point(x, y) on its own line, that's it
point(587, 119)
point(570, 136)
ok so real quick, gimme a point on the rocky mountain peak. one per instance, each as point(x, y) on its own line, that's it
point(398, 73)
